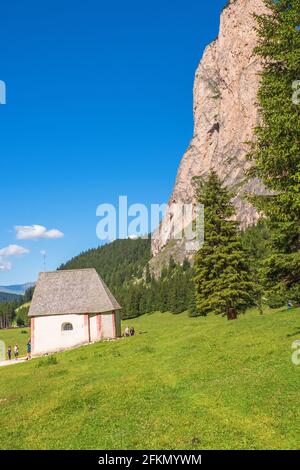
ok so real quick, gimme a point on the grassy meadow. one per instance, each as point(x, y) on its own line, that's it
point(181, 383)
point(15, 336)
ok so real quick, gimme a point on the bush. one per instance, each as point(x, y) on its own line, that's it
point(276, 301)
point(294, 295)
point(47, 361)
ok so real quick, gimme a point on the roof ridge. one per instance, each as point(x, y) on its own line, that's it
point(67, 270)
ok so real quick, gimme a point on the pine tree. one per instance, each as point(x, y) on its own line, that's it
point(172, 264)
point(191, 298)
point(186, 264)
point(255, 240)
point(222, 275)
point(275, 152)
point(179, 292)
point(148, 276)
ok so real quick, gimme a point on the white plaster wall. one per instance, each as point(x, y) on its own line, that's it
point(49, 337)
point(107, 326)
point(94, 328)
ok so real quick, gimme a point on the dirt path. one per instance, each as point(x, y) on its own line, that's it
point(13, 361)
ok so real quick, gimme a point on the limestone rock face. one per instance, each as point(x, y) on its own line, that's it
point(225, 113)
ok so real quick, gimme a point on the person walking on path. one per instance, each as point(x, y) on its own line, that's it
point(9, 352)
point(127, 332)
point(28, 347)
point(16, 351)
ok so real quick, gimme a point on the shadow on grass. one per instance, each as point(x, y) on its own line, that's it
point(295, 333)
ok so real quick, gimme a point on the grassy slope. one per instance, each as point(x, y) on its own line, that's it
point(183, 384)
point(15, 336)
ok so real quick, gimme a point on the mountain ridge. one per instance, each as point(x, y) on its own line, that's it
point(16, 289)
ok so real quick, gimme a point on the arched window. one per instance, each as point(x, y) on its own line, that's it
point(66, 327)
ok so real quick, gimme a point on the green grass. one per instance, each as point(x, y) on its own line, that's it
point(184, 383)
point(15, 336)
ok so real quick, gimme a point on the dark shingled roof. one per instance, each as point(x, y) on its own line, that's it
point(73, 291)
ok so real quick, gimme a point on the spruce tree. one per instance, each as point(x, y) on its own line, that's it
point(148, 276)
point(255, 240)
point(191, 298)
point(275, 153)
point(222, 276)
point(172, 264)
point(186, 265)
point(179, 303)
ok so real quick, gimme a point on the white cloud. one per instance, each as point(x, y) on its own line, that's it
point(35, 232)
point(7, 252)
point(13, 250)
point(5, 266)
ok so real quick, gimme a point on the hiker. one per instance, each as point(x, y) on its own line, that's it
point(127, 332)
point(290, 304)
point(16, 351)
point(9, 352)
point(132, 331)
point(28, 347)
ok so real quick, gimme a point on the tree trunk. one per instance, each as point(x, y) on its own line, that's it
point(231, 313)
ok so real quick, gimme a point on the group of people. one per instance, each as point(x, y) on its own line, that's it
point(129, 331)
point(16, 351)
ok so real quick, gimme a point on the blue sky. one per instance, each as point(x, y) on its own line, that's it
point(99, 104)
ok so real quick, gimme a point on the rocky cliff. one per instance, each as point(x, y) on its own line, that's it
point(225, 112)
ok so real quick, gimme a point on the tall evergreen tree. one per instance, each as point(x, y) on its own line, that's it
point(148, 274)
point(191, 296)
point(275, 152)
point(192, 304)
point(255, 240)
point(172, 264)
point(222, 276)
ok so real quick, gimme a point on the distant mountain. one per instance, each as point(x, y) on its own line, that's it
point(117, 263)
point(17, 289)
point(5, 297)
